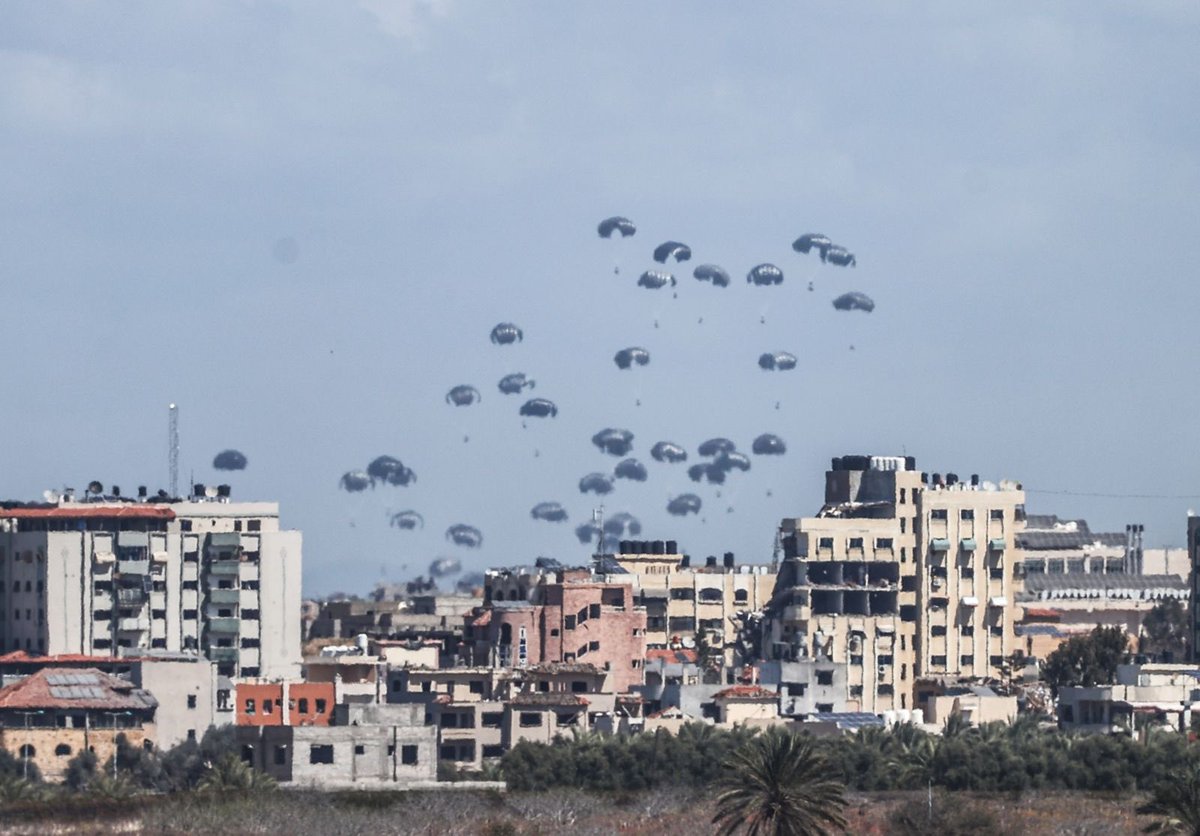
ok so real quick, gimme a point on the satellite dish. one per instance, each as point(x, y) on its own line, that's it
point(210, 492)
point(688, 642)
point(95, 487)
point(51, 496)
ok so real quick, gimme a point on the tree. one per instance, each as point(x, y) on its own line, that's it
point(1087, 660)
point(231, 774)
point(776, 785)
point(1176, 803)
point(1165, 630)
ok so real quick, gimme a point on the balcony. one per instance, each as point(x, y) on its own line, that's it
point(224, 625)
point(133, 567)
point(131, 596)
point(135, 624)
point(223, 654)
point(224, 596)
point(224, 567)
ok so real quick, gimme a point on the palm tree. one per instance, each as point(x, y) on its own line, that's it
point(1177, 802)
point(230, 773)
point(775, 785)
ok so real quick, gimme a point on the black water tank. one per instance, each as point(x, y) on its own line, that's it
point(910, 462)
point(659, 547)
point(623, 547)
point(728, 560)
point(711, 561)
point(937, 479)
point(836, 464)
point(672, 547)
point(975, 480)
point(686, 561)
point(924, 478)
point(223, 491)
point(116, 490)
point(197, 489)
point(951, 478)
point(141, 490)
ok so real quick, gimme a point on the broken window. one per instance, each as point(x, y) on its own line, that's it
point(320, 753)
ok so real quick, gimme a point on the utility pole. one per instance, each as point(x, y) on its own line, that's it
point(173, 449)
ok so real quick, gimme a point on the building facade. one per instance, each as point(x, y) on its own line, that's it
point(114, 577)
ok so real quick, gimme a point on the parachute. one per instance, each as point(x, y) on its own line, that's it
point(616, 224)
point(443, 566)
point(654, 279)
point(391, 471)
point(765, 274)
point(706, 471)
point(549, 511)
point(684, 504)
point(777, 361)
point(840, 256)
point(539, 408)
point(229, 460)
point(807, 242)
point(506, 333)
point(732, 460)
point(672, 249)
point(668, 451)
point(587, 532)
point(407, 520)
point(626, 357)
point(355, 481)
point(465, 535)
point(712, 273)
point(768, 445)
point(630, 469)
point(615, 442)
point(513, 384)
point(463, 395)
point(854, 301)
point(622, 523)
point(716, 446)
point(597, 483)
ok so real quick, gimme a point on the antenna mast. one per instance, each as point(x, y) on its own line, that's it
point(173, 448)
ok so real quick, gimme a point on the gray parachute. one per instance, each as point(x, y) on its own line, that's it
point(810, 241)
point(463, 395)
point(707, 472)
point(229, 460)
point(684, 504)
point(407, 520)
point(616, 224)
point(621, 524)
point(549, 511)
point(514, 384)
point(443, 566)
point(768, 445)
point(732, 460)
point(465, 535)
point(764, 275)
point(712, 273)
point(630, 469)
point(614, 441)
point(627, 357)
point(672, 249)
point(777, 361)
point(655, 279)
point(390, 471)
point(854, 301)
point(597, 483)
point(669, 452)
point(539, 408)
point(506, 333)
point(716, 446)
point(840, 256)
point(355, 481)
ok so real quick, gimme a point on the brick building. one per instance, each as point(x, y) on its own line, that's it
point(285, 703)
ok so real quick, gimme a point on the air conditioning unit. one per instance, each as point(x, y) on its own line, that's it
point(883, 670)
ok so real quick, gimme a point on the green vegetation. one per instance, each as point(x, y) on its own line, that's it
point(776, 784)
point(1165, 631)
point(1087, 660)
point(1175, 803)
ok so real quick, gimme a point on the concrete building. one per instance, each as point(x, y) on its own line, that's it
point(286, 703)
point(899, 575)
point(1156, 695)
point(369, 747)
point(747, 705)
point(977, 704)
point(116, 576)
point(51, 715)
point(1054, 546)
point(191, 696)
point(807, 686)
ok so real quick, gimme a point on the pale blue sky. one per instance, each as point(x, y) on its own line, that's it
point(1019, 184)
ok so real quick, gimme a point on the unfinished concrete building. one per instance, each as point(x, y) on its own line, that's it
point(898, 575)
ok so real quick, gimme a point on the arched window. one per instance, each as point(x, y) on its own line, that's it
point(505, 634)
point(740, 596)
point(27, 751)
point(498, 595)
point(62, 750)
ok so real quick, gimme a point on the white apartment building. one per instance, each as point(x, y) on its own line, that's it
point(117, 577)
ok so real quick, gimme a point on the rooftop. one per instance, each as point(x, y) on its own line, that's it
point(75, 688)
point(746, 692)
point(547, 698)
point(1094, 585)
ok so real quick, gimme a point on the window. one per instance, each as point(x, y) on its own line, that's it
point(249, 644)
point(594, 611)
point(191, 735)
point(159, 614)
point(966, 514)
point(495, 751)
point(189, 615)
point(102, 615)
point(322, 753)
point(967, 573)
point(966, 629)
point(191, 701)
point(825, 707)
point(825, 543)
point(530, 719)
point(569, 622)
point(741, 596)
point(996, 513)
point(856, 542)
point(578, 686)
point(225, 612)
point(27, 751)
point(280, 755)
point(883, 542)
point(249, 706)
point(62, 750)
point(408, 755)
point(304, 705)
point(902, 490)
point(824, 677)
point(266, 705)
point(475, 686)
point(360, 749)
point(491, 719)
point(320, 705)
point(102, 644)
point(903, 525)
point(189, 586)
point(937, 630)
point(250, 615)
point(966, 660)
point(938, 514)
point(553, 631)
point(938, 661)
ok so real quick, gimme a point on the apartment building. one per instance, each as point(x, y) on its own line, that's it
point(117, 577)
point(899, 575)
